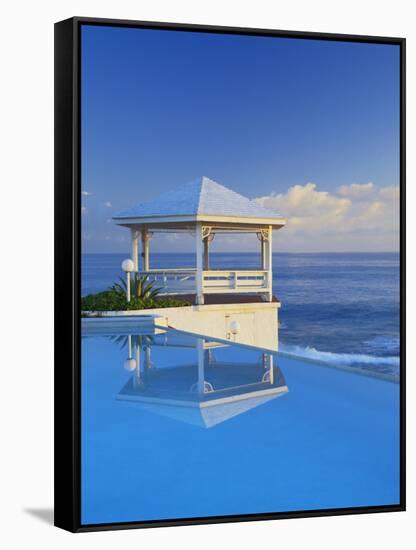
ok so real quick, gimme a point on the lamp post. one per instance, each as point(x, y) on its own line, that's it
point(130, 363)
point(128, 266)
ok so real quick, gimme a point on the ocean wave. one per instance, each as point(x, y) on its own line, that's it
point(344, 359)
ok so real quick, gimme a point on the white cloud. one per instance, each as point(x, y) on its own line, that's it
point(356, 190)
point(356, 217)
point(86, 193)
point(108, 204)
point(390, 193)
point(84, 210)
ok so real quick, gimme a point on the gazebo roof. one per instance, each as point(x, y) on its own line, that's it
point(199, 414)
point(200, 200)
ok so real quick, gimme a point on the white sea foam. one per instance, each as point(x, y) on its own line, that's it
point(340, 358)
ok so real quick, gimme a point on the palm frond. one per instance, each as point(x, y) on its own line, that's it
point(140, 287)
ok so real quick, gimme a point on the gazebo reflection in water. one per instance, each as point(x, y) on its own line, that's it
point(212, 384)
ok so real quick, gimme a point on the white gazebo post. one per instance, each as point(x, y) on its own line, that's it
point(138, 373)
point(199, 275)
point(148, 362)
point(206, 254)
point(135, 248)
point(263, 251)
point(145, 249)
point(201, 365)
point(268, 366)
point(207, 236)
point(269, 261)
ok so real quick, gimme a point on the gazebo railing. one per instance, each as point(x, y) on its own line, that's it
point(183, 281)
point(235, 281)
point(173, 281)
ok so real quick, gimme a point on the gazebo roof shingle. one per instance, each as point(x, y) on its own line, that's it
point(202, 196)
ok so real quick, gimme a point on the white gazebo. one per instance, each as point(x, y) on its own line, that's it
point(203, 208)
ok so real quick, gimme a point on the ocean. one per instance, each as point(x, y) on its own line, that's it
point(340, 308)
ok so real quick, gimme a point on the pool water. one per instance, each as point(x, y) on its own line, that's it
point(174, 426)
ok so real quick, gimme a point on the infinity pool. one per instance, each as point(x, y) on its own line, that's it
point(175, 426)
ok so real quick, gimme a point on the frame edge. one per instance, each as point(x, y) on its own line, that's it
point(66, 444)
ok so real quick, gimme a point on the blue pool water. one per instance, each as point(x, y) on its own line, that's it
point(200, 429)
point(339, 308)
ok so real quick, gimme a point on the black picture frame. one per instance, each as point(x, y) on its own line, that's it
point(67, 272)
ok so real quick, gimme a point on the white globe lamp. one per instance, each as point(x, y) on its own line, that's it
point(130, 365)
point(128, 266)
point(234, 327)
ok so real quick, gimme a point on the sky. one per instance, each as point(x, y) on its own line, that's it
point(309, 128)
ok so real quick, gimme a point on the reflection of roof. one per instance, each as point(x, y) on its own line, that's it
point(202, 197)
point(237, 388)
point(209, 414)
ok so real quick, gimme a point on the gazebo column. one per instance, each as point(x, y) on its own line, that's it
point(263, 252)
point(147, 358)
point(199, 276)
point(268, 366)
point(265, 238)
point(207, 236)
point(135, 248)
point(145, 249)
point(201, 365)
point(206, 254)
point(137, 373)
point(269, 263)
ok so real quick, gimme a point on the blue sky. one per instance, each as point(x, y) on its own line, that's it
point(308, 126)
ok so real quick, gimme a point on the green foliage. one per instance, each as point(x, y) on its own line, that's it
point(140, 287)
point(115, 300)
point(143, 296)
point(109, 300)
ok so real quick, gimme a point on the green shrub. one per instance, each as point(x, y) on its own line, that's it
point(114, 300)
point(140, 287)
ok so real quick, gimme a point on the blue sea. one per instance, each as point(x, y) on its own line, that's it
point(339, 308)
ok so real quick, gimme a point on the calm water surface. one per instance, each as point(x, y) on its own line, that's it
point(200, 429)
